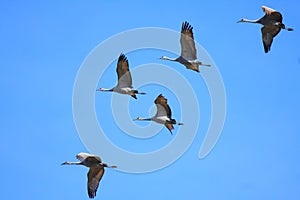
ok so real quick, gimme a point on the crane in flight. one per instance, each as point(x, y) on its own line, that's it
point(124, 85)
point(95, 173)
point(272, 24)
point(188, 55)
point(163, 114)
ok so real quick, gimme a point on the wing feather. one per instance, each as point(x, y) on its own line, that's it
point(163, 109)
point(272, 14)
point(124, 76)
point(188, 49)
point(94, 175)
point(268, 33)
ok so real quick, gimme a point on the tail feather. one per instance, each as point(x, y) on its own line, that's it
point(137, 92)
point(207, 65)
point(173, 121)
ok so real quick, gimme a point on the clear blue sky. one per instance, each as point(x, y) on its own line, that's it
point(42, 48)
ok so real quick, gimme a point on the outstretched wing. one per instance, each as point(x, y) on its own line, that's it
point(272, 14)
point(188, 49)
point(268, 33)
point(163, 109)
point(94, 177)
point(267, 10)
point(124, 76)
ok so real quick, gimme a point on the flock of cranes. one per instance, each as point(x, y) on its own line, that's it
point(272, 24)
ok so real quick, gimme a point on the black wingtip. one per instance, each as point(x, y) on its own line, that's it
point(91, 194)
point(267, 49)
point(122, 57)
point(160, 95)
point(186, 26)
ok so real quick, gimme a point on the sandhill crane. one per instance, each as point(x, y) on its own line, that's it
point(272, 24)
point(95, 173)
point(163, 114)
point(124, 85)
point(188, 55)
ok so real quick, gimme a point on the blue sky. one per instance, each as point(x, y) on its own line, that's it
point(42, 48)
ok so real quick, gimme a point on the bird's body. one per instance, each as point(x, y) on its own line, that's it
point(95, 173)
point(160, 119)
point(272, 24)
point(188, 55)
point(124, 90)
point(163, 114)
point(124, 85)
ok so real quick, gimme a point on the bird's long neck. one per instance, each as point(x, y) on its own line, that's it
point(105, 89)
point(250, 20)
point(143, 119)
point(167, 58)
point(72, 163)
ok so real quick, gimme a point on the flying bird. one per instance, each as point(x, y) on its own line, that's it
point(124, 85)
point(188, 55)
point(95, 173)
point(272, 24)
point(163, 114)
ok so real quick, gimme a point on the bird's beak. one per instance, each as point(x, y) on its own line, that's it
point(239, 21)
point(63, 163)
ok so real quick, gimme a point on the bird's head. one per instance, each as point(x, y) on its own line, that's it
point(65, 163)
point(242, 20)
point(100, 89)
point(138, 118)
point(163, 58)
